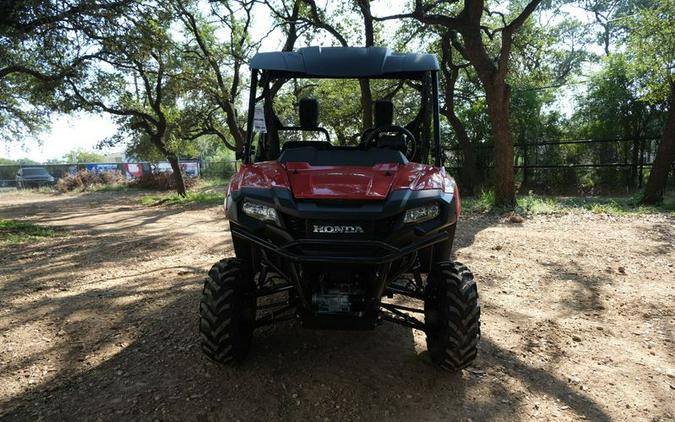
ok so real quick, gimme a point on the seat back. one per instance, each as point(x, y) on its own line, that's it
point(309, 113)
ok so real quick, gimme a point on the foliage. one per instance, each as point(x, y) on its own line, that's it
point(40, 45)
point(217, 169)
point(651, 45)
point(82, 156)
point(19, 162)
point(340, 105)
point(16, 231)
point(613, 107)
point(541, 205)
point(25, 162)
point(485, 202)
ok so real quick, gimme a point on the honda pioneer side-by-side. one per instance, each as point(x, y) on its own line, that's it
point(335, 228)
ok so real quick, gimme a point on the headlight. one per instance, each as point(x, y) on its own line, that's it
point(260, 212)
point(419, 214)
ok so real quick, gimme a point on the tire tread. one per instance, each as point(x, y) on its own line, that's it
point(452, 312)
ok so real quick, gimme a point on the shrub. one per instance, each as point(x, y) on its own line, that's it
point(87, 180)
point(485, 202)
point(218, 169)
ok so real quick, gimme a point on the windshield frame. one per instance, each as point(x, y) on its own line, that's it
point(264, 87)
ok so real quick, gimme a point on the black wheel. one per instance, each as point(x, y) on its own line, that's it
point(452, 315)
point(227, 312)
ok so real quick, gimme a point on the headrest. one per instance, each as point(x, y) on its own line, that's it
point(383, 111)
point(309, 113)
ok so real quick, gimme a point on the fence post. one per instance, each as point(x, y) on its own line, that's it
point(641, 162)
point(525, 172)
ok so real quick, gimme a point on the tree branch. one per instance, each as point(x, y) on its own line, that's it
point(507, 37)
point(320, 23)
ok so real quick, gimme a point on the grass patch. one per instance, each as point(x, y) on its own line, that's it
point(541, 205)
point(40, 189)
point(200, 198)
point(211, 182)
point(209, 191)
point(110, 188)
point(15, 231)
point(485, 202)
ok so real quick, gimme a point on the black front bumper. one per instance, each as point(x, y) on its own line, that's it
point(297, 250)
point(386, 239)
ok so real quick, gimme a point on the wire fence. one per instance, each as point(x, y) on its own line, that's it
point(554, 165)
point(559, 165)
point(191, 168)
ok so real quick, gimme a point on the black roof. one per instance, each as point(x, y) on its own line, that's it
point(344, 62)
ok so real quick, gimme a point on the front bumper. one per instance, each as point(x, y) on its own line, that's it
point(299, 250)
point(386, 239)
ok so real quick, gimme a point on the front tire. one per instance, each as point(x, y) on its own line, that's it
point(227, 312)
point(452, 315)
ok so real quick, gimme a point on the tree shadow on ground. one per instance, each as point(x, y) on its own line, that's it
point(293, 374)
point(582, 287)
point(664, 237)
point(130, 349)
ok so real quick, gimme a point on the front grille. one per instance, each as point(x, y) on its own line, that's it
point(295, 226)
point(339, 228)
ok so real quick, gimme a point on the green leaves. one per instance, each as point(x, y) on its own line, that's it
point(651, 48)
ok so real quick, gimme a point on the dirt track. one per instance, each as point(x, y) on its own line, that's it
point(578, 323)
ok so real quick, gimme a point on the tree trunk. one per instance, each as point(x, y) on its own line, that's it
point(469, 153)
point(450, 74)
point(665, 154)
point(366, 95)
point(233, 125)
point(498, 98)
point(177, 174)
point(366, 104)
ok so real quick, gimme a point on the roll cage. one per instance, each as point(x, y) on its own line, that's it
point(270, 71)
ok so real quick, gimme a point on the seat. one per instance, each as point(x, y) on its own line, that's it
point(308, 109)
point(383, 113)
point(383, 116)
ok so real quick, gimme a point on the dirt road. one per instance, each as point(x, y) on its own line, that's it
point(578, 323)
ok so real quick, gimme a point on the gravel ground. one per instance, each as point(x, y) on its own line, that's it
point(578, 322)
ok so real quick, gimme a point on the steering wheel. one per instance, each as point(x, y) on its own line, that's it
point(410, 145)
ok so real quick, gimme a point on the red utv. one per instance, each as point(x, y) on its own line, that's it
point(339, 230)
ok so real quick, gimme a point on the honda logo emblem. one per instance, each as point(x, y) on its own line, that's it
point(337, 229)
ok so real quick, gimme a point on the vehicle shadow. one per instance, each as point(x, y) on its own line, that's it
point(292, 374)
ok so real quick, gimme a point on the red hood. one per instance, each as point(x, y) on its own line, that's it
point(339, 182)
